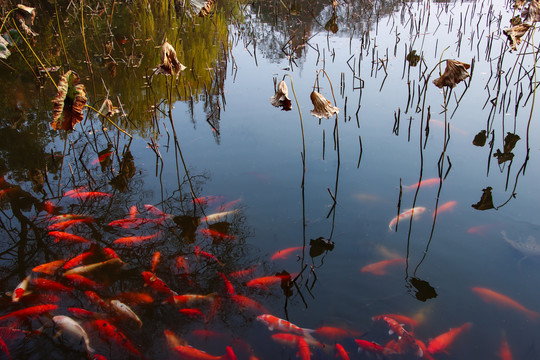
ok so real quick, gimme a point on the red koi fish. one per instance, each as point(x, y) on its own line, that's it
point(49, 268)
point(247, 303)
point(216, 234)
point(405, 215)
point(156, 283)
point(36, 298)
point(229, 205)
point(265, 281)
point(284, 254)
point(51, 285)
point(135, 222)
point(381, 268)
point(424, 183)
point(190, 353)
point(193, 313)
point(273, 322)
point(65, 217)
point(404, 335)
point(155, 260)
point(402, 319)
point(109, 332)
point(229, 289)
point(491, 296)
point(90, 195)
point(78, 260)
point(76, 190)
point(199, 252)
point(110, 254)
point(243, 273)
point(83, 314)
point(182, 264)
point(335, 333)
point(504, 350)
point(133, 212)
point(63, 225)
point(30, 312)
point(207, 200)
point(82, 281)
point(189, 299)
point(135, 298)
point(135, 240)
point(369, 346)
point(19, 291)
point(70, 238)
point(341, 353)
point(447, 206)
point(102, 158)
point(155, 211)
point(96, 299)
point(443, 341)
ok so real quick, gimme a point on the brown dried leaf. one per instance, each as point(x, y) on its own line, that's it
point(207, 8)
point(531, 13)
point(25, 16)
point(169, 63)
point(515, 33)
point(322, 107)
point(455, 72)
point(69, 102)
point(108, 109)
point(281, 97)
point(519, 4)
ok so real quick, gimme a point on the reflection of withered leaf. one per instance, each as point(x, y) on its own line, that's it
point(319, 246)
point(486, 201)
point(127, 171)
point(37, 179)
point(322, 107)
point(455, 72)
point(531, 13)
point(510, 141)
point(281, 97)
point(207, 8)
point(331, 25)
point(502, 157)
point(413, 58)
point(25, 16)
point(169, 63)
point(515, 33)
point(480, 138)
point(69, 102)
point(516, 20)
point(424, 290)
point(188, 226)
point(108, 109)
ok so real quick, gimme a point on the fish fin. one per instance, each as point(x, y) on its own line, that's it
point(308, 331)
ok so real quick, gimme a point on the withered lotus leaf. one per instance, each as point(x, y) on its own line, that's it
point(25, 16)
point(169, 63)
point(531, 13)
point(69, 102)
point(455, 72)
point(322, 107)
point(281, 97)
point(108, 109)
point(515, 33)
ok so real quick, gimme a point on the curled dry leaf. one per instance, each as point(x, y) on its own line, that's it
point(169, 63)
point(531, 13)
point(281, 97)
point(322, 107)
point(455, 72)
point(206, 8)
point(25, 16)
point(515, 33)
point(108, 109)
point(69, 102)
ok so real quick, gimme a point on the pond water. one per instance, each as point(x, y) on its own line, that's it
point(198, 177)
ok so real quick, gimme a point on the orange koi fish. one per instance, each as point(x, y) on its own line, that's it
point(229, 205)
point(65, 217)
point(491, 296)
point(84, 269)
point(63, 225)
point(135, 240)
point(83, 314)
point(335, 333)
point(135, 222)
point(155, 261)
point(218, 216)
point(182, 264)
point(19, 291)
point(155, 211)
point(341, 353)
point(49, 268)
point(441, 124)
point(135, 298)
point(110, 254)
point(199, 252)
point(504, 350)
point(133, 212)
point(369, 346)
point(243, 273)
point(193, 313)
point(404, 335)
point(30, 312)
point(102, 158)
point(189, 299)
point(78, 260)
point(216, 234)
point(273, 322)
point(447, 206)
point(283, 254)
point(443, 341)
point(381, 268)
point(247, 303)
point(96, 299)
point(190, 353)
point(74, 191)
point(59, 235)
point(265, 281)
point(229, 289)
point(405, 215)
point(82, 281)
point(427, 355)
point(424, 183)
point(402, 319)
point(51, 285)
point(480, 229)
point(90, 195)
point(207, 200)
point(173, 340)
point(156, 283)
point(109, 332)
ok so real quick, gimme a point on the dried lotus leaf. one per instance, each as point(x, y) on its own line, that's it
point(281, 97)
point(515, 33)
point(322, 107)
point(69, 102)
point(455, 72)
point(531, 13)
point(169, 62)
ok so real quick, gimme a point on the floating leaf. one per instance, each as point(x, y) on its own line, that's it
point(4, 51)
point(108, 109)
point(509, 143)
point(331, 25)
point(169, 63)
point(515, 33)
point(413, 58)
point(322, 107)
point(480, 138)
point(486, 201)
point(455, 72)
point(281, 97)
point(69, 102)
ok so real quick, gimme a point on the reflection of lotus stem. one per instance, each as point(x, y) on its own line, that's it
point(31, 49)
point(329, 81)
point(301, 128)
point(106, 117)
point(60, 31)
point(84, 38)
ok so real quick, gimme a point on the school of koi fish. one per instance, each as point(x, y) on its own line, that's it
point(81, 304)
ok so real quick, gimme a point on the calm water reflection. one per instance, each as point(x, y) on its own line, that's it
point(217, 180)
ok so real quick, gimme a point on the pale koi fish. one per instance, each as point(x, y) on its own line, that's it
point(218, 216)
point(380, 268)
point(424, 183)
point(406, 214)
point(447, 206)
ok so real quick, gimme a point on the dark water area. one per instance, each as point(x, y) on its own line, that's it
point(193, 184)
